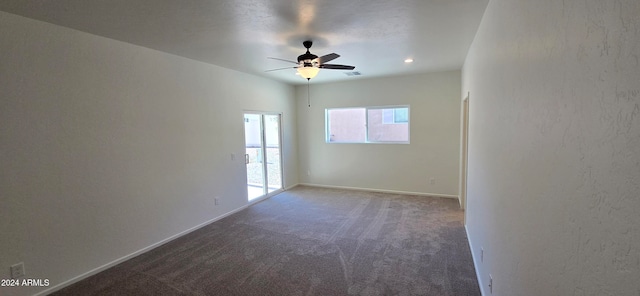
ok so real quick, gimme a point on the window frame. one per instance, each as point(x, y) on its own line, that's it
point(327, 135)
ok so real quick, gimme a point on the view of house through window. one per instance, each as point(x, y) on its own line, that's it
point(368, 125)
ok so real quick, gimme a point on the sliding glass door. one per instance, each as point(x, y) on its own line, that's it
point(262, 144)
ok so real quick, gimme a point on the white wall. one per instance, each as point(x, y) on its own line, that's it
point(554, 152)
point(434, 100)
point(108, 148)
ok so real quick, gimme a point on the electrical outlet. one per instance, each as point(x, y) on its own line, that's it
point(481, 255)
point(216, 201)
point(490, 284)
point(17, 270)
point(308, 172)
point(432, 181)
point(233, 156)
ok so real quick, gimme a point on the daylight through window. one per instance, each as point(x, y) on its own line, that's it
point(368, 125)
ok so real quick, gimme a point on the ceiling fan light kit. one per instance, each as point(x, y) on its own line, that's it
point(308, 72)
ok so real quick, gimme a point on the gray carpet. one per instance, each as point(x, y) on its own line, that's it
point(308, 241)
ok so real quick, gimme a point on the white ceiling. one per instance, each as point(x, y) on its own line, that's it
point(373, 35)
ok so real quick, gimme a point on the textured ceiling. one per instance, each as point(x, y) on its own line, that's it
point(375, 36)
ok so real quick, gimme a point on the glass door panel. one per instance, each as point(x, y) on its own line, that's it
point(272, 148)
point(254, 157)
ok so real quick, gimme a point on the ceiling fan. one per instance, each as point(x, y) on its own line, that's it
point(310, 64)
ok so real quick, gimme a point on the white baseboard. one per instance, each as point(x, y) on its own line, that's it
point(475, 262)
point(136, 253)
point(381, 190)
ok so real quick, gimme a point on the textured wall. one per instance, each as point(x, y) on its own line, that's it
point(433, 152)
point(554, 152)
point(107, 148)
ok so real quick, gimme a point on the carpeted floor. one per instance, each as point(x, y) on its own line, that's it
point(308, 241)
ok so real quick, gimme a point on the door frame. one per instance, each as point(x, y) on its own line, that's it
point(464, 153)
point(265, 175)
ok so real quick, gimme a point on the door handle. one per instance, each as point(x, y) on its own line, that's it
point(246, 159)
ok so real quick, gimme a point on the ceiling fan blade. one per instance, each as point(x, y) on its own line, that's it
point(281, 69)
point(329, 57)
point(288, 61)
point(337, 67)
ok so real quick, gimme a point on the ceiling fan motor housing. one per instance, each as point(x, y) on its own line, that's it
point(307, 57)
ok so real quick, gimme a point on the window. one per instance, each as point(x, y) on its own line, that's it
point(368, 125)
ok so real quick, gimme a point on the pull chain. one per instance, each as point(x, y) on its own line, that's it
point(308, 93)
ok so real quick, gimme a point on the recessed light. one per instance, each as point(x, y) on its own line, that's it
point(409, 60)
